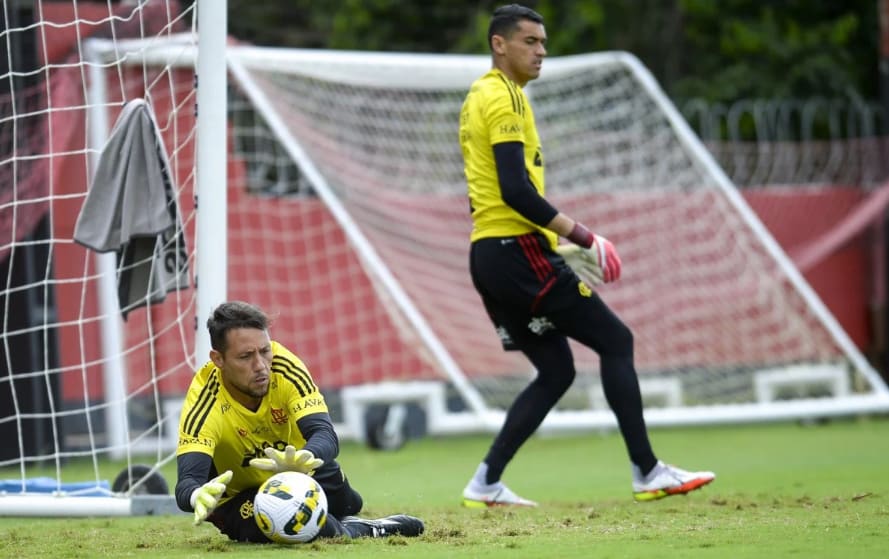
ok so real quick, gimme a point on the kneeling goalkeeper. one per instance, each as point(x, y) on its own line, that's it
point(254, 410)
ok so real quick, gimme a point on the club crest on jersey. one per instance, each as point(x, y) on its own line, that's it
point(242, 431)
point(279, 416)
point(584, 289)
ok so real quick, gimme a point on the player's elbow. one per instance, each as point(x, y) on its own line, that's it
point(512, 199)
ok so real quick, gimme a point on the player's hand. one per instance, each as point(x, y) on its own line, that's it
point(595, 265)
point(291, 460)
point(609, 260)
point(206, 497)
point(584, 263)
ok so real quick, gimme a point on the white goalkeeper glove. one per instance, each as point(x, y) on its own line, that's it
point(595, 265)
point(291, 460)
point(205, 498)
point(583, 263)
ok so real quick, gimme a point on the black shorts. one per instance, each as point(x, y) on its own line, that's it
point(521, 280)
point(234, 518)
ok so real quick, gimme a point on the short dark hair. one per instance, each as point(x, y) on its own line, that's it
point(232, 315)
point(506, 19)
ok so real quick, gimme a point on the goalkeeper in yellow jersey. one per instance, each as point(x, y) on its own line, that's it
point(254, 410)
point(537, 292)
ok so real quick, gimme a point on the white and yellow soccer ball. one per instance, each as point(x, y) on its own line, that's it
point(290, 507)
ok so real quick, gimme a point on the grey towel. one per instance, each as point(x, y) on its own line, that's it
point(131, 208)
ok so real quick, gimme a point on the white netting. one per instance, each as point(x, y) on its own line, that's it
point(80, 387)
point(712, 306)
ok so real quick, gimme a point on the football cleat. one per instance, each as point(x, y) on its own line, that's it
point(499, 496)
point(665, 480)
point(395, 525)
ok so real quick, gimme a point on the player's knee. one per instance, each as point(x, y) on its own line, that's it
point(621, 338)
point(343, 500)
point(626, 337)
point(354, 504)
point(557, 379)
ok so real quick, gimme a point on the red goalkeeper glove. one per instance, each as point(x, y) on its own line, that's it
point(599, 258)
point(608, 258)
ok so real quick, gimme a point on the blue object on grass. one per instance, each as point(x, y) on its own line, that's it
point(50, 485)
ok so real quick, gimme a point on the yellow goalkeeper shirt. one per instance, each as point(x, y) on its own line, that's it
point(213, 423)
point(495, 111)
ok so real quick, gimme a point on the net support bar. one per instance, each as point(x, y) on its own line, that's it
point(363, 247)
point(114, 377)
point(40, 505)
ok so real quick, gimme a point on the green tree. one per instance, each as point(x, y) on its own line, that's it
point(719, 50)
point(734, 49)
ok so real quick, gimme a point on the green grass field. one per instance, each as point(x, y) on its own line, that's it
point(782, 490)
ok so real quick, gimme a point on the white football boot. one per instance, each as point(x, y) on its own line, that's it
point(497, 495)
point(665, 480)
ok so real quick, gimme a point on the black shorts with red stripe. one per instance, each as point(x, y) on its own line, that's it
point(521, 280)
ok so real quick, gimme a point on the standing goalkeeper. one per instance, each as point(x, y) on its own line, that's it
point(535, 300)
point(254, 410)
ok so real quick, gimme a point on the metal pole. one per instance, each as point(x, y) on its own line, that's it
point(111, 326)
point(211, 188)
point(881, 277)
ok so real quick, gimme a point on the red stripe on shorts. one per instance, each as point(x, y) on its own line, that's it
point(541, 266)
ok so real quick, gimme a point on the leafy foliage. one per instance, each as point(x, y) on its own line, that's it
point(792, 49)
point(720, 51)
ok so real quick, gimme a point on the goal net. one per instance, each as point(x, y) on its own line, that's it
point(93, 367)
point(367, 217)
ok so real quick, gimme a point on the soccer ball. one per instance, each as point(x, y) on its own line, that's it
point(290, 507)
